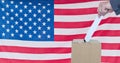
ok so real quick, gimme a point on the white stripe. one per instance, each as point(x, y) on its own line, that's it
point(110, 52)
point(73, 31)
point(109, 27)
point(74, 18)
point(80, 18)
point(50, 56)
point(105, 39)
point(34, 56)
point(35, 44)
point(77, 5)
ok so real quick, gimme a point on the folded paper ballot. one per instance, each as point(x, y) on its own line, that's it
point(93, 28)
point(89, 52)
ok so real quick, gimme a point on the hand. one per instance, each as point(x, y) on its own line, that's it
point(104, 8)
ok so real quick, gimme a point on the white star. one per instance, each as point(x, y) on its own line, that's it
point(3, 17)
point(25, 6)
point(16, 31)
point(25, 23)
point(39, 11)
point(39, 3)
point(21, 35)
point(30, 36)
point(16, 22)
point(48, 19)
point(39, 28)
point(11, 10)
point(21, 27)
point(34, 23)
point(39, 19)
point(25, 15)
point(39, 36)
point(7, 5)
point(7, 22)
point(29, 10)
point(8, 30)
point(34, 15)
point(3, 34)
point(21, 2)
point(44, 15)
point(3, 1)
point(12, 26)
point(48, 11)
point(12, 18)
point(21, 10)
point(43, 23)
point(43, 7)
point(48, 28)
point(34, 32)
point(48, 4)
point(48, 36)
point(21, 19)
point(30, 19)
point(16, 14)
point(16, 6)
point(34, 7)
point(12, 2)
point(30, 3)
point(30, 27)
point(2, 9)
point(7, 14)
point(25, 31)
point(44, 32)
point(12, 35)
point(3, 26)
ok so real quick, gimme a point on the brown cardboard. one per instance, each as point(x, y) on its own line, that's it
point(89, 52)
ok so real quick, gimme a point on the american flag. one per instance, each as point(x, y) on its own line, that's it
point(41, 31)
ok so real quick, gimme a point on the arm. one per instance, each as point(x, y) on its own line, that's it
point(115, 6)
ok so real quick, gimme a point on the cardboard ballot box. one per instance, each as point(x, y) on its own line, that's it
point(89, 52)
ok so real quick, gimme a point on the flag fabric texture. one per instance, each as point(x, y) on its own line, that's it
point(41, 31)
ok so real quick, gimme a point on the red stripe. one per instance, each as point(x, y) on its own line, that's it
point(111, 46)
point(107, 33)
point(68, 37)
point(103, 59)
point(111, 20)
point(34, 61)
point(34, 50)
point(72, 24)
point(82, 11)
point(70, 1)
point(110, 59)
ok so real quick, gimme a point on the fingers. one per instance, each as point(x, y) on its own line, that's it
point(110, 11)
point(102, 10)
